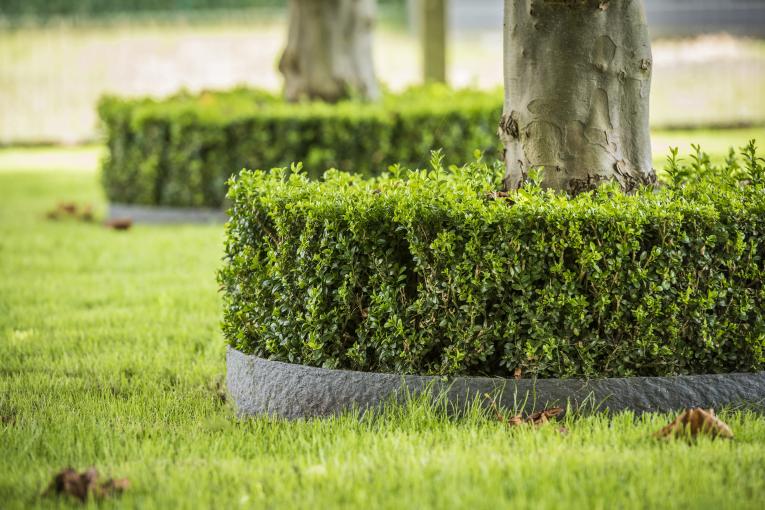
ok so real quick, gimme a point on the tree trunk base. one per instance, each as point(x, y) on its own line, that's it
point(329, 50)
point(577, 85)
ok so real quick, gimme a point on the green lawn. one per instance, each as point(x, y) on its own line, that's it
point(110, 355)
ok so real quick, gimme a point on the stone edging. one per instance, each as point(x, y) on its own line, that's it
point(260, 386)
point(159, 215)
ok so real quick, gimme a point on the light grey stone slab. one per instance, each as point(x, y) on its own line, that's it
point(166, 215)
point(260, 386)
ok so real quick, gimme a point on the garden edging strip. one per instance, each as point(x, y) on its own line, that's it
point(259, 386)
point(171, 215)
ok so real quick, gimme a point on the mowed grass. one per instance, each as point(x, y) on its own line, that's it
point(110, 356)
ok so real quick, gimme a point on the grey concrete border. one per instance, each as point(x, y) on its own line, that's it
point(166, 215)
point(260, 386)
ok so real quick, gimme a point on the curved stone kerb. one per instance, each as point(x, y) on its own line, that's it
point(166, 215)
point(260, 386)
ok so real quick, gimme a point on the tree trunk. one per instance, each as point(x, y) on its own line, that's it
point(577, 83)
point(433, 31)
point(329, 50)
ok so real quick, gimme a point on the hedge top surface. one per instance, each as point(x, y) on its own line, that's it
point(432, 272)
point(180, 151)
point(223, 107)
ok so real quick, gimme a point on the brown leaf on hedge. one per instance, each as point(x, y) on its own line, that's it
point(517, 374)
point(693, 422)
point(496, 195)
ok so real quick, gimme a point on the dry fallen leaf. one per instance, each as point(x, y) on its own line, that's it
point(536, 419)
point(542, 417)
point(69, 481)
point(87, 213)
point(114, 486)
point(218, 389)
point(119, 223)
point(517, 373)
point(69, 208)
point(693, 422)
point(496, 195)
point(81, 485)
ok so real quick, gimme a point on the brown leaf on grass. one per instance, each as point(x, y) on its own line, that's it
point(69, 208)
point(693, 422)
point(87, 213)
point(218, 388)
point(69, 481)
point(8, 418)
point(119, 223)
point(536, 419)
point(114, 486)
point(82, 485)
point(542, 417)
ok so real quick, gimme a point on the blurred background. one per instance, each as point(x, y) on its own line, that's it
point(58, 56)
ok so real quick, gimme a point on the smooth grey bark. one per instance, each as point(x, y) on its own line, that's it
point(434, 40)
point(329, 50)
point(577, 85)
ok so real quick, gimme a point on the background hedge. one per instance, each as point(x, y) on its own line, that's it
point(432, 272)
point(181, 151)
point(93, 8)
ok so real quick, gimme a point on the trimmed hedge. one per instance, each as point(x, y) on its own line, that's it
point(181, 151)
point(49, 8)
point(431, 272)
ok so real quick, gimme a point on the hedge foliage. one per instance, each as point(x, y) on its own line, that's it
point(181, 151)
point(49, 8)
point(433, 272)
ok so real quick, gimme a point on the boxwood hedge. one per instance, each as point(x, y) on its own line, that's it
point(433, 272)
point(180, 151)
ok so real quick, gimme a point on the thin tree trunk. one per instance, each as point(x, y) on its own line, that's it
point(577, 84)
point(433, 30)
point(329, 50)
